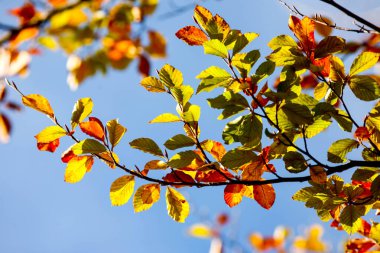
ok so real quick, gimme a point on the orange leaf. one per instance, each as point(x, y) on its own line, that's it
point(23, 35)
point(67, 155)
point(3, 92)
point(362, 134)
point(233, 194)
point(5, 128)
point(157, 45)
point(323, 65)
point(216, 149)
point(264, 195)
point(39, 103)
point(318, 174)
point(51, 146)
point(212, 176)
point(93, 128)
point(253, 171)
point(192, 35)
point(304, 31)
point(25, 13)
point(359, 245)
point(57, 3)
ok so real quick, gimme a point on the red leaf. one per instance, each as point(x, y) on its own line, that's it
point(362, 134)
point(264, 195)
point(25, 13)
point(51, 146)
point(324, 65)
point(67, 155)
point(178, 177)
point(309, 82)
point(192, 35)
point(233, 194)
point(212, 176)
point(144, 66)
point(222, 219)
point(93, 128)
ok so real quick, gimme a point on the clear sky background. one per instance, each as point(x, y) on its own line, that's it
point(41, 213)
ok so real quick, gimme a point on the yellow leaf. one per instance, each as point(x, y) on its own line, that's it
point(115, 131)
point(145, 197)
point(77, 168)
point(23, 35)
point(48, 42)
point(165, 117)
point(39, 103)
point(200, 230)
point(121, 190)
point(177, 205)
point(312, 241)
point(50, 134)
point(82, 109)
point(107, 159)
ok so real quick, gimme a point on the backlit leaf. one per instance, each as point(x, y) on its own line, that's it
point(82, 109)
point(329, 45)
point(50, 146)
point(350, 218)
point(170, 76)
point(108, 158)
point(295, 162)
point(364, 61)
point(202, 16)
point(339, 149)
point(115, 131)
point(304, 31)
point(192, 35)
point(155, 165)
point(77, 167)
point(153, 84)
point(318, 174)
point(39, 103)
point(145, 196)
point(94, 128)
point(88, 146)
point(216, 149)
point(282, 41)
point(236, 158)
point(264, 195)
point(165, 118)
point(121, 190)
point(146, 145)
point(177, 205)
point(192, 114)
point(233, 194)
point(182, 159)
point(215, 47)
point(50, 134)
point(365, 87)
point(179, 141)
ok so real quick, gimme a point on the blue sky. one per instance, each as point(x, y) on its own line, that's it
point(39, 212)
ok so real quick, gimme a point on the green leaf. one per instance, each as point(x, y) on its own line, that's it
point(297, 113)
point(242, 41)
point(192, 114)
point(146, 145)
point(212, 78)
point(265, 69)
point(236, 158)
point(115, 131)
point(170, 76)
point(350, 218)
point(329, 45)
point(364, 61)
point(365, 87)
point(295, 162)
point(319, 125)
point(375, 187)
point(285, 56)
point(245, 129)
point(215, 47)
point(182, 94)
point(282, 41)
point(244, 61)
point(231, 103)
point(82, 109)
point(179, 141)
point(304, 194)
point(165, 118)
point(88, 146)
point(153, 84)
point(364, 173)
point(182, 159)
point(339, 149)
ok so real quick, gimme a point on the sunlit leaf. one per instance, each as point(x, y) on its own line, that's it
point(115, 131)
point(147, 145)
point(318, 174)
point(312, 241)
point(264, 195)
point(157, 44)
point(282, 41)
point(192, 35)
point(108, 158)
point(170, 76)
point(77, 168)
point(215, 47)
point(50, 134)
point(295, 162)
point(165, 118)
point(152, 84)
point(155, 165)
point(182, 159)
point(350, 218)
point(202, 16)
point(39, 103)
point(145, 196)
point(233, 194)
point(339, 149)
point(364, 61)
point(177, 205)
point(82, 109)
point(179, 141)
point(121, 190)
point(88, 146)
point(94, 128)
point(236, 158)
point(365, 87)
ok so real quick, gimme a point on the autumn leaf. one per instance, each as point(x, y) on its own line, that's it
point(312, 241)
point(304, 31)
point(177, 205)
point(24, 35)
point(88, 146)
point(50, 134)
point(318, 174)
point(192, 35)
point(25, 13)
point(5, 128)
point(157, 44)
point(145, 197)
point(82, 109)
point(233, 194)
point(115, 131)
point(39, 103)
point(264, 195)
point(108, 158)
point(94, 128)
point(77, 167)
point(121, 190)
point(50, 146)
